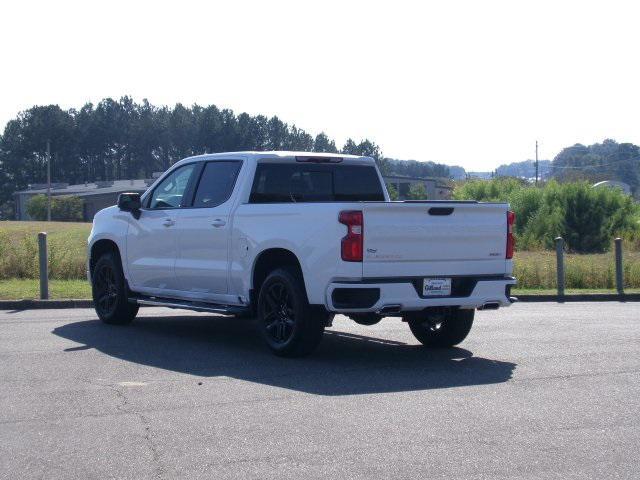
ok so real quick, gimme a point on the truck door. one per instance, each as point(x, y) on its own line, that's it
point(202, 260)
point(152, 239)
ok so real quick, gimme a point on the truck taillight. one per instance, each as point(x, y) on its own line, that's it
point(353, 241)
point(511, 241)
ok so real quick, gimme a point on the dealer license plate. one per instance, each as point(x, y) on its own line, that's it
point(436, 287)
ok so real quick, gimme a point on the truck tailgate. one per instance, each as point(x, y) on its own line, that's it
point(434, 239)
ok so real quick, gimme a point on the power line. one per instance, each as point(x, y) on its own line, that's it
point(591, 166)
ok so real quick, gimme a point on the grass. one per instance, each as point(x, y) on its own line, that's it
point(17, 289)
point(537, 270)
point(67, 243)
point(67, 261)
point(570, 291)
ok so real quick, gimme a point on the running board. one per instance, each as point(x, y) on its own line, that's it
point(188, 305)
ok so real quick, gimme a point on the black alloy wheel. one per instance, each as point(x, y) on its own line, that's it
point(289, 325)
point(110, 292)
point(278, 313)
point(106, 290)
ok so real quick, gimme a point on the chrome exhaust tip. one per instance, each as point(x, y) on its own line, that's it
point(490, 306)
point(386, 309)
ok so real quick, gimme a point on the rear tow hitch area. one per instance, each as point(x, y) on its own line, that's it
point(490, 306)
point(388, 309)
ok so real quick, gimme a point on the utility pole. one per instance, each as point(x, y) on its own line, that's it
point(536, 162)
point(48, 180)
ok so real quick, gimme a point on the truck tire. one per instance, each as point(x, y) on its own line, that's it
point(109, 290)
point(289, 325)
point(443, 329)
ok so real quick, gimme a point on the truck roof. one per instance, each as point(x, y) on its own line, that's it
point(278, 155)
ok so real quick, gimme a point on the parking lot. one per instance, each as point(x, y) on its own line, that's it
point(536, 391)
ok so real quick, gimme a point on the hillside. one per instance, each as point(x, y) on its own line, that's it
point(525, 169)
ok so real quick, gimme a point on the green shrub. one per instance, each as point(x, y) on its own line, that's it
point(417, 191)
point(393, 193)
point(587, 218)
point(496, 190)
point(63, 208)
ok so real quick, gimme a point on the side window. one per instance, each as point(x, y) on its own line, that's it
point(169, 193)
point(216, 183)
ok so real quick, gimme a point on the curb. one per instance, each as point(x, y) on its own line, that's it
point(41, 304)
point(82, 303)
point(594, 297)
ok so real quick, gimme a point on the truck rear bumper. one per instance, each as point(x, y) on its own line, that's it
point(387, 296)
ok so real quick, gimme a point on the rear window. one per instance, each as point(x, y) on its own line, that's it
point(216, 183)
point(291, 182)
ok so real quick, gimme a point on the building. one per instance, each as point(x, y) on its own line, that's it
point(102, 194)
point(95, 196)
point(436, 188)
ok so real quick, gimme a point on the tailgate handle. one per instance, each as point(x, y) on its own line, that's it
point(440, 210)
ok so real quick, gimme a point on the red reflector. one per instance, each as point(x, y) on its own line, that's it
point(511, 241)
point(352, 242)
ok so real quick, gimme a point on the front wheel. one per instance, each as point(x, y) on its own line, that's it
point(441, 329)
point(289, 325)
point(109, 291)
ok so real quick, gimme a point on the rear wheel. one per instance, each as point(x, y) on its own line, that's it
point(366, 319)
point(110, 291)
point(289, 325)
point(441, 329)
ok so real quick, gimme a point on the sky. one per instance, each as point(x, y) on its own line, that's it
point(470, 83)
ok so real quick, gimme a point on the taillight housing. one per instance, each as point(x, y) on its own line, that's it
point(351, 248)
point(511, 240)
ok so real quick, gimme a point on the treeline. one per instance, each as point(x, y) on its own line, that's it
point(587, 218)
point(525, 169)
point(608, 160)
point(415, 168)
point(121, 139)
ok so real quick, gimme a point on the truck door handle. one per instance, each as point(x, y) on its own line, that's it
point(168, 222)
point(440, 211)
point(218, 222)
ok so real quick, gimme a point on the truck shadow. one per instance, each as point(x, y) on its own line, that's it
point(345, 363)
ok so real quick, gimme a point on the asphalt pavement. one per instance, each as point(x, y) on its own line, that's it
point(537, 391)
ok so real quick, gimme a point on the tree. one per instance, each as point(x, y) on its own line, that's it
point(414, 168)
point(276, 134)
point(299, 140)
point(608, 160)
point(121, 138)
point(63, 208)
point(23, 148)
point(322, 143)
point(365, 148)
point(183, 132)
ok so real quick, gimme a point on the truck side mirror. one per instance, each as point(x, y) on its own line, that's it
point(130, 202)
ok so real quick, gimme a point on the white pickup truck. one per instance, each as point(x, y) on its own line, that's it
point(294, 238)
